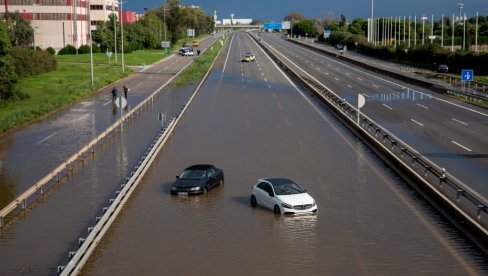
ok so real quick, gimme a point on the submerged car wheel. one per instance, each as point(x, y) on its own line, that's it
point(254, 203)
point(277, 209)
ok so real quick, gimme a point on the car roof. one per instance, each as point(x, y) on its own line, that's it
point(200, 167)
point(275, 181)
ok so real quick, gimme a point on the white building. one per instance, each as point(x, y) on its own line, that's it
point(58, 23)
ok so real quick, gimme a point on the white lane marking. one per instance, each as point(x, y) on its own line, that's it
point(387, 107)
point(269, 86)
point(266, 80)
point(262, 73)
point(459, 145)
point(374, 85)
point(274, 95)
point(347, 73)
point(326, 73)
point(260, 68)
point(139, 84)
point(418, 123)
point(81, 118)
point(423, 106)
point(350, 86)
point(461, 122)
point(50, 136)
point(337, 79)
point(159, 71)
point(280, 107)
point(227, 57)
point(360, 79)
point(107, 103)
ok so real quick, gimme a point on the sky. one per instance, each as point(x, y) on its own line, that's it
point(268, 10)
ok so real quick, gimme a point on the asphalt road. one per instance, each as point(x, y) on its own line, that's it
point(449, 132)
point(250, 120)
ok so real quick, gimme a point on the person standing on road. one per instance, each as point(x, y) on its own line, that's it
point(126, 89)
point(114, 94)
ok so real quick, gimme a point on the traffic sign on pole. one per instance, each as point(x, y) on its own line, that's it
point(467, 75)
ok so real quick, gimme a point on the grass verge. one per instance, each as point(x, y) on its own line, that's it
point(200, 65)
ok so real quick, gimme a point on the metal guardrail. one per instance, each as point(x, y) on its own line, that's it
point(456, 195)
point(87, 245)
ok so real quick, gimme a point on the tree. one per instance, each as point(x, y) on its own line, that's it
point(19, 30)
point(294, 16)
point(7, 67)
point(305, 28)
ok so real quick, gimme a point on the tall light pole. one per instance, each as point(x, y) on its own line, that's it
point(423, 28)
point(442, 31)
point(432, 31)
point(476, 37)
point(464, 32)
point(409, 25)
point(91, 44)
point(115, 17)
point(122, 35)
point(452, 35)
point(415, 31)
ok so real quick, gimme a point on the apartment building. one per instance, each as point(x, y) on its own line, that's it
point(58, 23)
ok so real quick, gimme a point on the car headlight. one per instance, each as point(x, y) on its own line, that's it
point(286, 205)
point(195, 188)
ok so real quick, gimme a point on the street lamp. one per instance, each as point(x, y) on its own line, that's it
point(423, 18)
point(115, 16)
point(91, 43)
point(122, 34)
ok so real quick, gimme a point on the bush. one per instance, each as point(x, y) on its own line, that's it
point(68, 50)
point(84, 49)
point(29, 62)
point(51, 50)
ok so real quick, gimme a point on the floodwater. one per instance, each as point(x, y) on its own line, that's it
point(369, 221)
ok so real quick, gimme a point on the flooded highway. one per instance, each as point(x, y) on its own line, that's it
point(252, 122)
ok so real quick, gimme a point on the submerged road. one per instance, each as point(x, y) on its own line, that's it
point(250, 120)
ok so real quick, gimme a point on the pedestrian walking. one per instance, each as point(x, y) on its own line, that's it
point(126, 89)
point(198, 52)
point(115, 92)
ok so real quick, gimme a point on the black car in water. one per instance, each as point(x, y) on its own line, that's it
point(197, 179)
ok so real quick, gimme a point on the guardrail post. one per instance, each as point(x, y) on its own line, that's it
point(414, 158)
point(402, 151)
point(480, 208)
point(93, 149)
point(82, 157)
point(1, 222)
point(24, 204)
point(58, 177)
point(459, 193)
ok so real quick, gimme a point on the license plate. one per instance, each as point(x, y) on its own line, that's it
point(182, 193)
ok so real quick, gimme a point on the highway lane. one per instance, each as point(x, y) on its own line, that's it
point(447, 131)
point(30, 153)
point(369, 221)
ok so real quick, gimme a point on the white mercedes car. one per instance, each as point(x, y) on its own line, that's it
point(283, 196)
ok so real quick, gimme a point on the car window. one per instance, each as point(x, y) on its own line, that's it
point(262, 186)
point(193, 174)
point(211, 172)
point(287, 189)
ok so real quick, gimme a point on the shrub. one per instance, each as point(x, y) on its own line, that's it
point(84, 49)
point(51, 50)
point(67, 50)
point(29, 62)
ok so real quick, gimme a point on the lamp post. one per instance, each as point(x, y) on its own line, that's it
point(464, 32)
point(91, 43)
point(452, 35)
point(423, 18)
point(122, 34)
point(115, 16)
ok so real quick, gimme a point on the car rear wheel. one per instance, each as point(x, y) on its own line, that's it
point(277, 209)
point(254, 203)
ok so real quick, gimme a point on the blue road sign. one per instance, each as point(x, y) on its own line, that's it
point(272, 26)
point(467, 75)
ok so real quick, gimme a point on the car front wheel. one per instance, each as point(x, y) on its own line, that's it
point(277, 209)
point(254, 203)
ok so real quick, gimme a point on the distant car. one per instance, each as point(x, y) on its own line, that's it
point(248, 57)
point(443, 68)
point(186, 52)
point(197, 179)
point(195, 43)
point(283, 196)
point(339, 47)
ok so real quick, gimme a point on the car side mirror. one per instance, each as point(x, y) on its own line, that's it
point(177, 177)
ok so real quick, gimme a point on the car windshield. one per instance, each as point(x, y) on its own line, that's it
point(193, 174)
point(287, 189)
